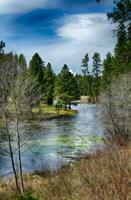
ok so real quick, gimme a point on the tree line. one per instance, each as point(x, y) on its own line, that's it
point(62, 86)
point(116, 78)
point(104, 73)
point(67, 87)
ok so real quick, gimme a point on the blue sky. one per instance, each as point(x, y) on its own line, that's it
point(61, 31)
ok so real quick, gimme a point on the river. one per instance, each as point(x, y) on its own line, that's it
point(51, 144)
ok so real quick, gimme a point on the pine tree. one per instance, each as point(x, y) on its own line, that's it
point(22, 64)
point(87, 79)
point(66, 88)
point(107, 72)
point(49, 79)
point(2, 45)
point(121, 16)
point(84, 65)
point(73, 89)
point(128, 50)
point(85, 72)
point(36, 68)
point(96, 74)
point(81, 86)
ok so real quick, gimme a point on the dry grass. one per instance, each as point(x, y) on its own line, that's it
point(105, 176)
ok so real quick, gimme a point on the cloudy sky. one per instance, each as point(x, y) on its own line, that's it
point(61, 31)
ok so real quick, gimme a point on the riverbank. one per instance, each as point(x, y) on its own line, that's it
point(45, 112)
point(104, 175)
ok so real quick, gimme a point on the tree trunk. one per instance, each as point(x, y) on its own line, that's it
point(90, 90)
point(70, 106)
point(11, 156)
point(19, 159)
point(65, 105)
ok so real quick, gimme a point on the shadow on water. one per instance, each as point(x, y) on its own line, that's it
point(51, 144)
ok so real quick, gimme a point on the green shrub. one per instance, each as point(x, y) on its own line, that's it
point(27, 196)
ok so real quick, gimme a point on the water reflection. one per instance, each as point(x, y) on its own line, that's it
point(54, 143)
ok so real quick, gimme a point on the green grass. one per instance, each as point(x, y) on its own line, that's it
point(51, 111)
point(43, 112)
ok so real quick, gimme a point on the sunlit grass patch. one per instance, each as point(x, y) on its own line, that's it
point(45, 109)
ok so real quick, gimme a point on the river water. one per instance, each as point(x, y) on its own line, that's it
point(51, 144)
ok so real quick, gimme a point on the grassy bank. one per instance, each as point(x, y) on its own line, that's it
point(104, 176)
point(49, 112)
point(43, 112)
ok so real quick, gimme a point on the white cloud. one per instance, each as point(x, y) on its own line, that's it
point(78, 35)
point(93, 28)
point(81, 33)
point(17, 6)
